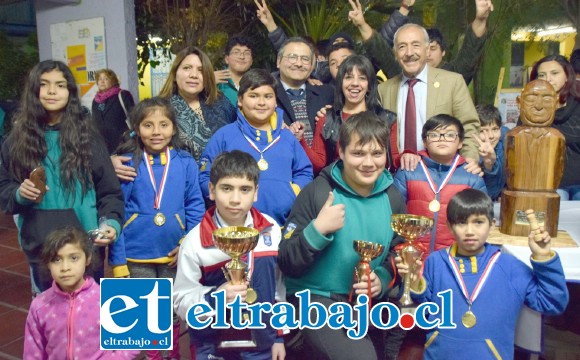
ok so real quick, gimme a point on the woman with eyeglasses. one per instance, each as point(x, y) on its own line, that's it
point(201, 109)
point(556, 70)
point(355, 91)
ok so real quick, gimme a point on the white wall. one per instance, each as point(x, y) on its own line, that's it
point(120, 35)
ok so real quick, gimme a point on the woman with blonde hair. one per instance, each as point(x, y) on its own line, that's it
point(110, 108)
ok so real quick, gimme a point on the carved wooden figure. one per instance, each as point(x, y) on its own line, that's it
point(534, 161)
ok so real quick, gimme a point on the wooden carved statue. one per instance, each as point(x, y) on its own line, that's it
point(534, 161)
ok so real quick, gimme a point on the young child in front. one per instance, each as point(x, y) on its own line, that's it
point(491, 149)
point(284, 165)
point(234, 188)
point(162, 204)
point(52, 135)
point(489, 287)
point(440, 175)
point(63, 321)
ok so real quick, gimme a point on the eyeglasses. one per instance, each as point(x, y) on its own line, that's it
point(293, 58)
point(450, 136)
point(238, 53)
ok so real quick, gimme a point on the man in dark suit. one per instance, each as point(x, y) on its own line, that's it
point(300, 100)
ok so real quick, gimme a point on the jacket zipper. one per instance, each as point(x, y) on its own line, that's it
point(70, 327)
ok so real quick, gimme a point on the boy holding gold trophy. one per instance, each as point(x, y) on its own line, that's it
point(352, 199)
point(489, 287)
point(209, 247)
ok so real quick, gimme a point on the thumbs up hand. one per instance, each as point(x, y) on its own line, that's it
point(330, 218)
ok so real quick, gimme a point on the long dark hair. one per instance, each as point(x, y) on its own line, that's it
point(571, 87)
point(364, 66)
point(133, 143)
point(28, 143)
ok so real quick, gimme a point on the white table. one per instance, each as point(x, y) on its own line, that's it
point(529, 327)
point(570, 221)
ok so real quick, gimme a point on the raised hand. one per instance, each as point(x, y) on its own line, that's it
point(541, 247)
point(330, 218)
point(472, 166)
point(486, 151)
point(482, 9)
point(265, 16)
point(356, 15)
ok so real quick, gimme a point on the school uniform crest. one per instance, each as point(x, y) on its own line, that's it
point(289, 230)
point(267, 239)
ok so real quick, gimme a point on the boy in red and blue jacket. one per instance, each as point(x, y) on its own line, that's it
point(440, 175)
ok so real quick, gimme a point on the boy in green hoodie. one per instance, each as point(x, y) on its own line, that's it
point(352, 198)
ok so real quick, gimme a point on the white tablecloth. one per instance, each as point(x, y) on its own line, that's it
point(529, 328)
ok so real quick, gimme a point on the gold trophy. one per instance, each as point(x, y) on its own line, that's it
point(410, 227)
point(367, 251)
point(236, 241)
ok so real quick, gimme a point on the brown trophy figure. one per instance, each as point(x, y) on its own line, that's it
point(534, 161)
point(410, 227)
point(367, 251)
point(236, 241)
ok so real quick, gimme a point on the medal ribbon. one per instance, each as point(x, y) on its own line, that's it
point(480, 283)
point(445, 180)
point(265, 149)
point(158, 194)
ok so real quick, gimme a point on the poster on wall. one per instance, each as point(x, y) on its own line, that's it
point(508, 107)
point(81, 45)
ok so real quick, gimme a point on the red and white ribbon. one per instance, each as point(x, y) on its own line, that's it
point(158, 194)
point(447, 176)
point(480, 283)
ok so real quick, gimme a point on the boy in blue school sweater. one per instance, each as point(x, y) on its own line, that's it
point(489, 287)
point(284, 165)
point(491, 149)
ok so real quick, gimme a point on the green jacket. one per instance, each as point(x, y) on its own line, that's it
point(325, 264)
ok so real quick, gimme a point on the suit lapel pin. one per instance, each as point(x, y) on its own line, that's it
point(436, 84)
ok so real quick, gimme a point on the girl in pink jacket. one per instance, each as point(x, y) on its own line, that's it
point(63, 321)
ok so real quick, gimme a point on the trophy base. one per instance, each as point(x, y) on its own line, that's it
point(514, 204)
point(235, 340)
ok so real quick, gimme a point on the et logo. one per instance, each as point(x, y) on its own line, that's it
point(136, 314)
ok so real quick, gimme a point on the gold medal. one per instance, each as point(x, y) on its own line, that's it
point(434, 205)
point(263, 164)
point(159, 219)
point(251, 296)
point(468, 319)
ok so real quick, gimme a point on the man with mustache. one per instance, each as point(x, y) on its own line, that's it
point(421, 92)
point(300, 100)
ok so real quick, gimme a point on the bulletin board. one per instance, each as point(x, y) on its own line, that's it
point(81, 45)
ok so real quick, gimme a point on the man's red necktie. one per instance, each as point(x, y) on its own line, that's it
point(411, 119)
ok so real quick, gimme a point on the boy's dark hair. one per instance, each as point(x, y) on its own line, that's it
point(238, 40)
point(488, 114)
point(234, 163)
point(575, 61)
point(442, 120)
point(466, 203)
point(63, 236)
point(254, 78)
point(339, 45)
point(437, 36)
point(368, 126)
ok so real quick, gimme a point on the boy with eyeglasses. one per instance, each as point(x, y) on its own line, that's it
point(440, 175)
point(238, 58)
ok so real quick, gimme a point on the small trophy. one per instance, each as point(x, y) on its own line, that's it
point(236, 241)
point(410, 227)
point(367, 251)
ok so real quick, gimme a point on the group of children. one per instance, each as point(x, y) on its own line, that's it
point(167, 232)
